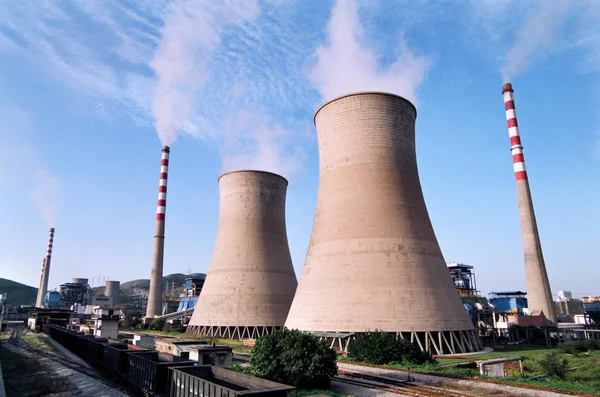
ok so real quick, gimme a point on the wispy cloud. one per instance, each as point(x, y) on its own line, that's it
point(537, 38)
point(347, 64)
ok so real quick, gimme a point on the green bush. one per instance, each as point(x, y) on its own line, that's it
point(157, 324)
point(383, 347)
point(579, 346)
point(294, 358)
point(553, 364)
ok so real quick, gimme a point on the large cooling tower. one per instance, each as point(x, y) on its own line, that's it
point(539, 294)
point(373, 261)
point(251, 281)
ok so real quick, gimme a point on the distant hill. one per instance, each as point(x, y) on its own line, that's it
point(144, 284)
point(18, 294)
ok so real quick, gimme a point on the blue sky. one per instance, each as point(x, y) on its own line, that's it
point(90, 90)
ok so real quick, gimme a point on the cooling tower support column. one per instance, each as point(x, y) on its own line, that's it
point(45, 271)
point(251, 281)
point(373, 261)
point(154, 307)
point(539, 295)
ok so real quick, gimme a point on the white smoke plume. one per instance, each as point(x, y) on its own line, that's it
point(22, 158)
point(191, 32)
point(346, 64)
point(252, 143)
point(47, 194)
point(537, 37)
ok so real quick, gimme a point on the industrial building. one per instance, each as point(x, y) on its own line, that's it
point(76, 292)
point(373, 260)
point(539, 295)
point(250, 283)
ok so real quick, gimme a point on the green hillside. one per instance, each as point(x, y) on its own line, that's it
point(18, 294)
point(144, 284)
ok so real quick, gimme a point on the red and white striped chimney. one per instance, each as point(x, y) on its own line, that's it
point(154, 307)
point(45, 271)
point(539, 295)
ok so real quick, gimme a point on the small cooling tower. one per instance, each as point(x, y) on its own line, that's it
point(373, 261)
point(251, 281)
point(112, 290)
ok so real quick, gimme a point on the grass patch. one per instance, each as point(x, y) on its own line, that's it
point(24, 376)
point(315, 392)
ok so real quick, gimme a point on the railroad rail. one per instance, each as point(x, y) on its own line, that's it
point(15, 340)
point(395, 385)
point(480, 380)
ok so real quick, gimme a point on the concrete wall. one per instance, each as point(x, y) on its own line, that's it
point(373, 261)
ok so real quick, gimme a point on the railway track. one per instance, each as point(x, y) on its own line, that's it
point(395, 386)
point(15, 340)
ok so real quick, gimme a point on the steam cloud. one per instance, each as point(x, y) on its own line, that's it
point(347, 65)
point(192, 30)
point(536, 38)
point(47, 194)
point(23, 160)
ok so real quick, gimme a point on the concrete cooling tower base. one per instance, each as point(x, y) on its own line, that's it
point(231, 332)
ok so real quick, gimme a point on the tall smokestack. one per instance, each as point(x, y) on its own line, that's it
point(155, 295)
point(539, 295)
point(45, 271)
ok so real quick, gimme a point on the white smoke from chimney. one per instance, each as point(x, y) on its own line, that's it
point(191, 32)
point(46, 195)
point(537, 37)
point(27, 170)
point(347, 65)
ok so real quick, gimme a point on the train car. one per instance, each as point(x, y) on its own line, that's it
point(115, 358)
point(149, 371)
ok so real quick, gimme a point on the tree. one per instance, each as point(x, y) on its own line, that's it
point(157, 324)
point(294, 358)
point(554, 365)
point(383, 347)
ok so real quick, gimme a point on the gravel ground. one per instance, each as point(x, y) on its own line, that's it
point(86, 385)
point(352, 390)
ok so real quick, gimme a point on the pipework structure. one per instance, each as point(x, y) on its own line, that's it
point(539, 295)
point(154, 307)
point(251, 282)
point(373, 261)
point(43, 288)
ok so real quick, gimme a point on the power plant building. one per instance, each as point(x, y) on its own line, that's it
point(373, 261)
point(250, 283)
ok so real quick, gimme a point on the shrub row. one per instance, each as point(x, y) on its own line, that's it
point(579, 346)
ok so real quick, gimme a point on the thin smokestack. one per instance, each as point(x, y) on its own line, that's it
point(539, 295)
point(155, 295)
point(45, 271)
